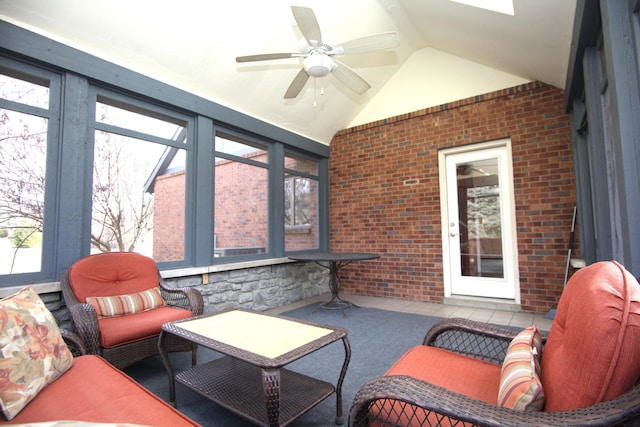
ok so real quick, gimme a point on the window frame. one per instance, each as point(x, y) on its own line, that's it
point(100, 94)
point(69, 176)
point(293, 203)
point(27, 72)
point(270, 148)
point(322, 170)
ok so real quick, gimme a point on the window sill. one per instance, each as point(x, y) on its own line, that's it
point(194, 271)
point(43, 288)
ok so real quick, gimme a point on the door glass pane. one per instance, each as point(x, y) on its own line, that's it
point(480, 219)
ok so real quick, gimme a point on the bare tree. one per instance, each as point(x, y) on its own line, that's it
point(22, 177)
point(122, 212)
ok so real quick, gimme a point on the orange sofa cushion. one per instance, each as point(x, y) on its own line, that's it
point(115, 331)
point(445, 369)
point(111, 274)
point(593, 350)
point(94, 391)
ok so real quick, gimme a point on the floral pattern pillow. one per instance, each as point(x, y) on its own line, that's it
point(32, 352)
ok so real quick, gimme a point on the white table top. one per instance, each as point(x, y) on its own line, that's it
point(260, 334)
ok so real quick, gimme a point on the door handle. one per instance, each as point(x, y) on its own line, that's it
point(452, 234)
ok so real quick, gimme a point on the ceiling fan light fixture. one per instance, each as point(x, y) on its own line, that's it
point(318, 65)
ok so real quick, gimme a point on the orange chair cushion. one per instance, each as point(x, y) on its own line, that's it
point(593, 350)
point(474, 378)
point(94, 391)
point(115, 331)
point(111, 274)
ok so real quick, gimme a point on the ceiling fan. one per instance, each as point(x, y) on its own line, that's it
point(319, 57)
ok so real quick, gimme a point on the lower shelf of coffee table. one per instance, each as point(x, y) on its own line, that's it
point(237, 386)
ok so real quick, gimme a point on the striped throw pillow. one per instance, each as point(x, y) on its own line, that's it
point(121, 305)
point(520, 385)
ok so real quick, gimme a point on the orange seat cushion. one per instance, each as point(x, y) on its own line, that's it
point(465, 375)
point(111, 274)
point(94, 391)
point(115, 331)
point(593, 350)
point(474, 378)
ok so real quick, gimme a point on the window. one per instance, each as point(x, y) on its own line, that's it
point(139, 179)
point(241, 197)
point(114, 161)
point(297, 195)
point(300, 203)
point(28, 123)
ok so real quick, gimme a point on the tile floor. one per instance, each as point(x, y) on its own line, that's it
point(496, 316)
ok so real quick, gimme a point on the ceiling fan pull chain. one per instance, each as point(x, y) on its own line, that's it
point(315, 93)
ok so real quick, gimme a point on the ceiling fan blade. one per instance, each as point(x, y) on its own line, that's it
point(350, 78)
point(297, 84)
point(370, 43)
point(308, 24)
point(266, 57)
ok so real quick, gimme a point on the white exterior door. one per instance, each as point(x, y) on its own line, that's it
point(478, 221)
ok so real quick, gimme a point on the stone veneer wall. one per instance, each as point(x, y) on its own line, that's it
point(257, 288)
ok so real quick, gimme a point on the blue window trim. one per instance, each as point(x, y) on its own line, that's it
point(68, 198)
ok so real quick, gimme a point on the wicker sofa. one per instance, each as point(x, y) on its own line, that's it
point(469, 373)
point(47, 377)
point(94, 391)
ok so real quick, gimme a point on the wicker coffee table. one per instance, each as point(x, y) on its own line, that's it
point(250, 379)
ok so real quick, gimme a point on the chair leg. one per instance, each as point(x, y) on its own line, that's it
point(194, 354)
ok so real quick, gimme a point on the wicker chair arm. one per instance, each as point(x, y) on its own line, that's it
point(444, 405)
point(74, 342)
point(85, 323)
point(187, 298)
point(470, 338)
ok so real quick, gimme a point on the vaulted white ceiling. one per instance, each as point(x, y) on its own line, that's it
point(447, 51)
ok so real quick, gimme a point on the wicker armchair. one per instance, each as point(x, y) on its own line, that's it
point(404, 400)
point(125, 339)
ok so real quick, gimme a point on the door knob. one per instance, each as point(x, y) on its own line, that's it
point(452, 234)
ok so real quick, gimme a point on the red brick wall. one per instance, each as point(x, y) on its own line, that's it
point(168, 218)
point(241, 204)
point(241, 211)
point(373, 210)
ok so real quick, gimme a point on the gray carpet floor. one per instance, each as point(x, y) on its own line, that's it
point(377, 338)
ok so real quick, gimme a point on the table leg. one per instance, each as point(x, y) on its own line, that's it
point(336, 303)
point(165, 360)
point(343, 373)
point(271, 385)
